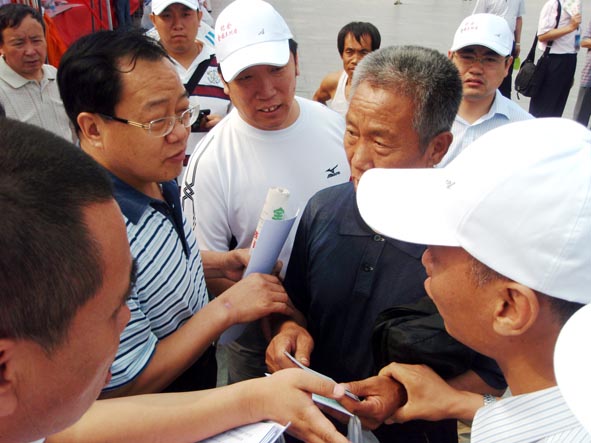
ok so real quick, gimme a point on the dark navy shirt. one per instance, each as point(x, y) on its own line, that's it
point(341, 275)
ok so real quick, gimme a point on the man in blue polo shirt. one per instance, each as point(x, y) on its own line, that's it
point(342, 274)
point(133, 116)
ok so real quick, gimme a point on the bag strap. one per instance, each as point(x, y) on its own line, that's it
point(197, 75)
point(558, 14)
point(532, 52)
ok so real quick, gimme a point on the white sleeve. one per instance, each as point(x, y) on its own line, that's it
point(521, 10)
point(203, 198)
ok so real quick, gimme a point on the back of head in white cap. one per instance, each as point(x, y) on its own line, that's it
point(250, 33)
point(572, 365)
point(518, 199)
point(160, 5)
point(488, 30)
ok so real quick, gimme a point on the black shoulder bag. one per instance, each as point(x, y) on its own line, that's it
point(531, 75)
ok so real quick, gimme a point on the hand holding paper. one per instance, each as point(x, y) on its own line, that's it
point(268, 240)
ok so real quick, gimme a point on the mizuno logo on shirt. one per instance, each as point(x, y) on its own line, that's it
point(332, 171)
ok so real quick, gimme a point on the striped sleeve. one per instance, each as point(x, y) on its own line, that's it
point(136, 347)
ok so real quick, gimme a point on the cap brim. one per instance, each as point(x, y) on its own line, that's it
point(409, 204)
point(492, 46)
point(572, 365)
point(274, 53)
point(161, 7)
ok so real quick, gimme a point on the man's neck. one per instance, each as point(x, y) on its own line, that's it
point(187, 58)
point(529, 369)
point(473, 109)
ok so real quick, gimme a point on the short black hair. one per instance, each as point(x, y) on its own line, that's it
point(89, 75)
point(12, 15)
point(358, 30)
point(50, 265)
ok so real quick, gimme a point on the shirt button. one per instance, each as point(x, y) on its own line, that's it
point(378, 237)
point(367, 268)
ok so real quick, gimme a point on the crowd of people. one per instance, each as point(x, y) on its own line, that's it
point(438, 252)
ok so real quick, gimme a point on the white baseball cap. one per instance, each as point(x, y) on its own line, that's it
point(518, 200)
point(160, 5)
point(572, 364)
point(489, 30)
point(250, 33)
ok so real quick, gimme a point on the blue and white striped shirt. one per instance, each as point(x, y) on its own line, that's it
point(170, 284)
point(541, 416)
point(501, 112)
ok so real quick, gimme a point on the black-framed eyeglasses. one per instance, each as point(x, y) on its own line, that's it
point(161, 127)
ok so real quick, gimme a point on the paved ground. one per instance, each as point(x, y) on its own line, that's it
point(432, 23)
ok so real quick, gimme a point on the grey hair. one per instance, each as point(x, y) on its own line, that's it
point(425, 76)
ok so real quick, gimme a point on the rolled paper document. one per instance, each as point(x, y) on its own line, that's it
point(273, 209)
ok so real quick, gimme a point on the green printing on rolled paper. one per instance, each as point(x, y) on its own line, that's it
point(278, 214)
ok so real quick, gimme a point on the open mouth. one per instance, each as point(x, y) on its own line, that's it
point(270, 109)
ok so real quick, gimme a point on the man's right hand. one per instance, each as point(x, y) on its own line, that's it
point(294, 339)
point(254, 297)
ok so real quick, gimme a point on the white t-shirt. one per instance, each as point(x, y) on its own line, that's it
point(508, 9)
point(233, 167)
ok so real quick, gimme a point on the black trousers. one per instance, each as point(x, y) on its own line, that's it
point(551, 99)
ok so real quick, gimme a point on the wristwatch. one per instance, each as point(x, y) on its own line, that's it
point(488, 399)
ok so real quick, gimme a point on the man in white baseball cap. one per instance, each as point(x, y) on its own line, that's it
point(270, 139)
point(573, 365)
point(481, 50)
point(190, 44)
point(509, 228)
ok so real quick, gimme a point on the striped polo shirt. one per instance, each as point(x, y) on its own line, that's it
point(170, 284)
point(540, 416)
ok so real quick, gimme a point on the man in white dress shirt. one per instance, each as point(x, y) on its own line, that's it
point(481, 51)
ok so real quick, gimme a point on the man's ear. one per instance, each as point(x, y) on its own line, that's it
point(153, 18)
point(517, 309)
point(8, 397)
point(438, 147)
point(508, 63)
point(226, 88)
point(91, 126)
point(297, 66)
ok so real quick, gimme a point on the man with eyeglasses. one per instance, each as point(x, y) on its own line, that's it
point(481, 51)
point(132, 115)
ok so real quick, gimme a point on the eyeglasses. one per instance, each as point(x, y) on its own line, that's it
point(161, 127)
point(487, 61)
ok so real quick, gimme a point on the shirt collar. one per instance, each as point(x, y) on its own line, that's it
point(499, 107)
point(352, 224)
point(16, 80)
point(134, 203)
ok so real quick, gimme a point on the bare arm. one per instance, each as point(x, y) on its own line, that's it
point(193, 416)
point(417, 393)
point(518, 27)
point(586, 43)
point(254, 297)
point(327, 88)
point(553, 34)
point(432, 398)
